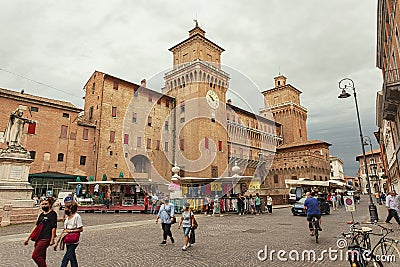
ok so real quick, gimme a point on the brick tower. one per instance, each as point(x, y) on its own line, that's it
point(199, 86)
point(284, 103)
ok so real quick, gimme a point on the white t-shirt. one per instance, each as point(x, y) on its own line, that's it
point(74, 223)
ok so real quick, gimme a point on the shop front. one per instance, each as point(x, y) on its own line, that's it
point(115, 195)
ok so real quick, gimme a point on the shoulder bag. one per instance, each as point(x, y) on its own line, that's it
point(194, 222)
point(73, 237)
point(36, 232)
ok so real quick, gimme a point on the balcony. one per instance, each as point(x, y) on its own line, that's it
point(391, 94)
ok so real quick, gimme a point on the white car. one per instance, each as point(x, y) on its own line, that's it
point(61, 196)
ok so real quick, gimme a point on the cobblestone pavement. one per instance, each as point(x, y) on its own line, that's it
point(133, 240)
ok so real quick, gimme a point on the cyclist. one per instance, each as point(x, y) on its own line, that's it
point(311, 206)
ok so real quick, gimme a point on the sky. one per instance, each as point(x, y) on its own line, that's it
point(51, 48)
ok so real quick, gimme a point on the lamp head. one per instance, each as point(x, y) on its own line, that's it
point(344, 94)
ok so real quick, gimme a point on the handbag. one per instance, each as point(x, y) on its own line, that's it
point(173, 220)
point(72, 238)
point(36, 232)
point(192, 237)
point(195, 224)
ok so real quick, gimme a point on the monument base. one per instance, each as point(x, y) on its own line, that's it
point(17, 194)
point(14, 170)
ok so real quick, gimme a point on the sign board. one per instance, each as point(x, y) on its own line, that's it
point(349, 203)
point(254, 185)
point(216, 186)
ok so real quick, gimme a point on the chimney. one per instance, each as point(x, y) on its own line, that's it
point(230, 101)
point(143, 83)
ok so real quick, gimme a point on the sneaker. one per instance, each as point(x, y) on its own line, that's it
point(163, 243)
point(172, 240)
point(319, 228)
point(312, 234)
point(188, 245)
point(184, 248)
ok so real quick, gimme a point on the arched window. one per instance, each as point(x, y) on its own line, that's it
point(60, 157)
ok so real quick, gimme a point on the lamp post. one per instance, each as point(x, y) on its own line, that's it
point(344, 84)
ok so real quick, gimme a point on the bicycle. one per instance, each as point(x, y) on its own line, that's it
point(315, 227)
point(361, 253)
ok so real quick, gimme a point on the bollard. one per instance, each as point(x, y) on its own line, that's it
point(6, 218)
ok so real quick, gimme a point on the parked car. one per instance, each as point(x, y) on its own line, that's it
point(298, 207)
point(61, 196)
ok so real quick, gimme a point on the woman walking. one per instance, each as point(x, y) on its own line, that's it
point(48, 221)
point(186, 222)
point(72, 225)
point(165, 213)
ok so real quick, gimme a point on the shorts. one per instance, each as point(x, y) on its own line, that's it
point(186, 231)
point(309, 217)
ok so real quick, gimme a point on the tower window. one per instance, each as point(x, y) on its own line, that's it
point(32, 154)
point(114, 112)
point(206, 142)
point(112, 136)
point(90, 113)
point(126, 139)
point(115, 87)
point(64, 130)
point(214, 171)
point(148, 143)
point(60, 157)
point(276, 178)
point(183, 106)
point(34, 109)
point(85, 134)
point(166, 146)
point(82, 160)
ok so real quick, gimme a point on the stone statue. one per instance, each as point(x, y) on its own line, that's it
point(15, 127)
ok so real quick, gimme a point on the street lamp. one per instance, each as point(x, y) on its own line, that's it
point(344, 84)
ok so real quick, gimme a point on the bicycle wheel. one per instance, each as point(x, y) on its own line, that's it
point(386, 254)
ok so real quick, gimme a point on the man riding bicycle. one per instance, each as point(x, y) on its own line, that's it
point(311, 206)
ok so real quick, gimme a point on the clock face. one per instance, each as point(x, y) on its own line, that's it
point(212, 99)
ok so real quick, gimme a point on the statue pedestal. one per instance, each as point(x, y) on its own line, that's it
point(14, 170)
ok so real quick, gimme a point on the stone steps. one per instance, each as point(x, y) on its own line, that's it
point(22, 215)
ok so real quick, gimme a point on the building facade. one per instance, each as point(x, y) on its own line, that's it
point(388, 99)
point(376, 172)
point(337, 172)
point(60, 141)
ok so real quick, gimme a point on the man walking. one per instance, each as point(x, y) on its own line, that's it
point(392, 205)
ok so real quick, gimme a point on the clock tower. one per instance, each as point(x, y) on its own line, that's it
point(199, 86)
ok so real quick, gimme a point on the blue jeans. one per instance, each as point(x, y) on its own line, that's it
point(70, 256)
